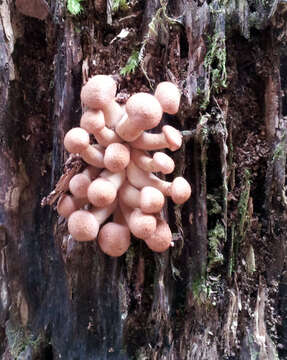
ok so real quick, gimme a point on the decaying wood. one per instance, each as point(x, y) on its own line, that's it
point(220, 292)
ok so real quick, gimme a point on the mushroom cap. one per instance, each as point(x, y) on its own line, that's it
point(114, 239)
point(78, 185)
point(66, 206)
point(101, 192)
point(94, 155)
point(99, 91)
point(161, 239)
point(92, 121)
point(168, 96)
point(76, 140)
point(180, 190)
point(117, 157)
point(163, 162)
point(144, 110)
point(151, 200)
point(173, 137)
point(142, 225)
point(83, 226)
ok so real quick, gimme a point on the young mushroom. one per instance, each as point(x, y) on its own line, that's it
point(168, 96)
point(149, 199)
point(161, 239)
point(92, 121)
point(103, 190)
point(114, 237)
point(179, 189)
point(107, 136)
point(78, 185)
point(159, 162)
point(94, 155)
point(169, 138)
point(99, 94)
point(76, 140)
point(117, 157)
point(141, 225)
point(67, 204)
point(143, 113)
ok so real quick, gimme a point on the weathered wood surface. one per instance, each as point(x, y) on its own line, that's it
point(220, 293)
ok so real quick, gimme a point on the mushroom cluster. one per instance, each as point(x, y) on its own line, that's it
point(118, 179)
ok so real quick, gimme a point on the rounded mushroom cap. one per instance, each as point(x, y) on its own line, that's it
point(76, 140)
point(117, 157)
point(83, 226)
point(66, 206)
point(164, 163)
point(168, 96)
point(161, 239)
point(92, 121)
point(78, 185)
point(180, 190)
point(101, 192)
point(94, 155)
point(99, 91)
point(114, 239)
point(144, 109)
point(151, 200)
point(173, 137)
point(142, 225)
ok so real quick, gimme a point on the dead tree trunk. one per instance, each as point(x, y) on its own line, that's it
point(221, 292)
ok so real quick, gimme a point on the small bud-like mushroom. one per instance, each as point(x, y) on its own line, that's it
point(99, 94)
point(103, 190)
point(143, 113)
point(179, 190)
point(150, 200)
point(161, 239)
point(169, 138)
point(141, 225)
point(78, 185)
point(159, 162)
point(168, 96)
point(76, 140)
point(92, 121)
point(66, 206)
point(114, 239)
point(83, 226)
point(117, 157)
point(94, 155)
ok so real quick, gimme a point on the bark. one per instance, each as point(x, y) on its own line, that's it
point(221, 292)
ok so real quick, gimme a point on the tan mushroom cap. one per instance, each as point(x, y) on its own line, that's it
point(114, 239)
point(78, 185)
point(94, 155)
point(101, 192)
point(180, 190)
point(92, 121)
point(144, 109)
point(76, 140)
point(161, 239)
point(168, 96)
point(141, 225)
point(164, 163)
point(117, 157)
point(99, 91)
point(83, 226)
point(151, 200)
point(66, 206)
point(173, 137)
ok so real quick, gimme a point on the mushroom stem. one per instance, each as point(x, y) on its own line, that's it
point(159, 162)
point(161, 239)
point(169, 138)
point(107, 136)
point(101, 214)
point(113, 113)
point(94, 155)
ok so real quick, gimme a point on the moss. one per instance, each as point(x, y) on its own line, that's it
point(215, 237)
point(213, 205)
point(74, 6)
point(119, 5)
point(132, 64)
point(243, 205)
point(279, 151)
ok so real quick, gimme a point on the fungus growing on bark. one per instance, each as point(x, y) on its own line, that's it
point(117, 165)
